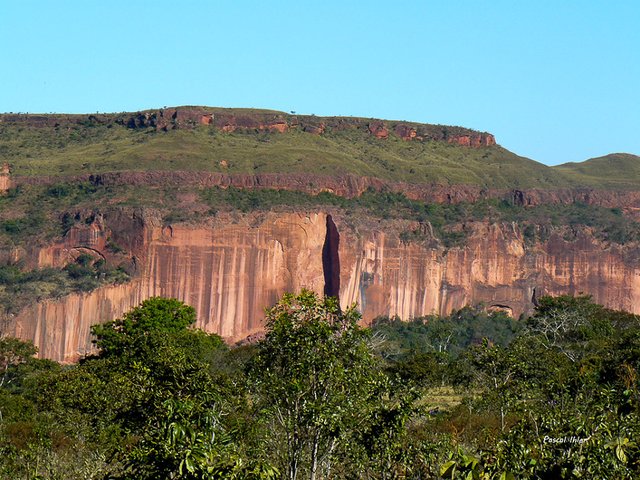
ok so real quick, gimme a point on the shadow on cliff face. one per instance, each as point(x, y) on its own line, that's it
point(331, 260)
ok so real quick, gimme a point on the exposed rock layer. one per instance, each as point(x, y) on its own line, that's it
point(234, 267)
point(352, 186)
point(385, 276)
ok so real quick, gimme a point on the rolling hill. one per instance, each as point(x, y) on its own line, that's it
point(614, 171)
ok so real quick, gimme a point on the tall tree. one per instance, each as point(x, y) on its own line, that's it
point(321, 386)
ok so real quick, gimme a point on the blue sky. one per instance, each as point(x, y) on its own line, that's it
point(555, 81)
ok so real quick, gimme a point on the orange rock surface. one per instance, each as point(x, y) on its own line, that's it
point(228, 271)
point(387, 277)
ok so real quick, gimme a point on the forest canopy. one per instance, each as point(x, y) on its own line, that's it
point(470, 395)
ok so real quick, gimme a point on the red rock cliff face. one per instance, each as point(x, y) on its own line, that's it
point(234, 267)
point(231, 272)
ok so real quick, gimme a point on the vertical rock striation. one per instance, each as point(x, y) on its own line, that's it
point(388, 277)
point(229, 272)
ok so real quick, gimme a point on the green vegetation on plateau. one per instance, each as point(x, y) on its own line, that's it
point(41, 213)
point(555, 397)
point(536, 222)
point(90, 147)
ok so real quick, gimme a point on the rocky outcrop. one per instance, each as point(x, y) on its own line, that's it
point(89, 235)
point(314, 129)
point(479, 140)
point(117, 237)
point(229, 120)
point(233, 267)
point(406, 132)
point(5, 178)
point(378, 130)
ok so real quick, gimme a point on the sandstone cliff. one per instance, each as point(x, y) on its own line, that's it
point(235, 265)
point(386, 276)
point(229, 271)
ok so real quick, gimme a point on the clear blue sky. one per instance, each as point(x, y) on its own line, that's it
point(555, 81)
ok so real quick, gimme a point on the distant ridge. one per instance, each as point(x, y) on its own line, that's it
point(616, 170)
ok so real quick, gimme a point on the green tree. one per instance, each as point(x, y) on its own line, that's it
point(164, 315)
point(321, 386)
point(165, 393)
point(13, 352)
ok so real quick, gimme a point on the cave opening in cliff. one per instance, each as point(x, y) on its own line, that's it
point(331, 260)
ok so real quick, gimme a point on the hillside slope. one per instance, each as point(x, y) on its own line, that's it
point(614, 171)
point(259, 141)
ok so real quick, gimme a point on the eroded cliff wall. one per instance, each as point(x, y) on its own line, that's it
point(388, 277)
point(351, 186)
point(229, 270)
point(232, 267)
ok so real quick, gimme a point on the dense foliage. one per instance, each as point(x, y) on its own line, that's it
point(452, 334)
point(470, 395)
